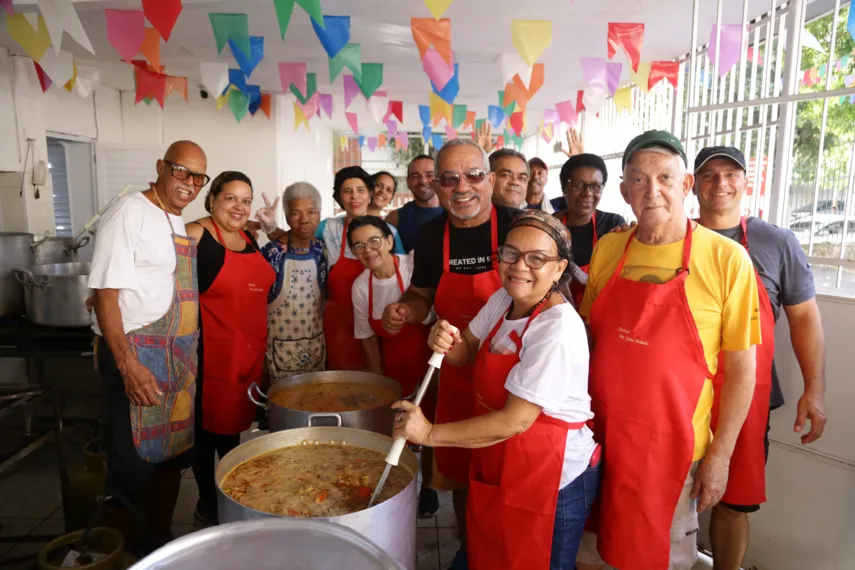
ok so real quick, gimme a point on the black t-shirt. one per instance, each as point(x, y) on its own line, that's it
point(210, 256)
point(470, 249)
point(582, 237)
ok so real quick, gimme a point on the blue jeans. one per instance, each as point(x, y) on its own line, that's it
point(571, 512)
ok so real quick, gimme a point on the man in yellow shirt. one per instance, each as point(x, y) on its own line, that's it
point(662, 302)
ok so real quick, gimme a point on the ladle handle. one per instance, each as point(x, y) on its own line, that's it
point(397, 449)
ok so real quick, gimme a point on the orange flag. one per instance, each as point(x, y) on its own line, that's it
point(265, 103)
point(515, 92)
point(534, 84)
point(470, 120)
point(381, 140)
point(177, 84)
point(427, 32)
point(150, 47)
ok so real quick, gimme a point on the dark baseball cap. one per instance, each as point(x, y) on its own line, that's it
point(655, 138)
point(537, 162)
point(712, 152)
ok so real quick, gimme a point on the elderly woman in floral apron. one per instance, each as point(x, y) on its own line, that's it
point(295, 335)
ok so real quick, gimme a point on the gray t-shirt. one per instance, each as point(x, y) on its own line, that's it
point(780, 260)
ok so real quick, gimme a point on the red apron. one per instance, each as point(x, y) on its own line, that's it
point(643, 412)
point(746, 483)
point(344, 350)
point(234, 325)
point(577, 290)
point(513, 485)
point(458, 299)
point(405, 354)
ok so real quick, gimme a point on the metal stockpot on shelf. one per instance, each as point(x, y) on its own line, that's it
point(379, 419)
point(391, 525)
point(49, 249)
point(15, 251)
point(55, 294)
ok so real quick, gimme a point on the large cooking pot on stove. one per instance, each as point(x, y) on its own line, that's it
point(379, 419)
point(55, 294)
point(15, 251)
point(270, 544)
point(391, 525)
point(51, 249)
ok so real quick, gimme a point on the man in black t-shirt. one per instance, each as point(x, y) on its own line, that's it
point(457, 282)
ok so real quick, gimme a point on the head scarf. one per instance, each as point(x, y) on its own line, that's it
point(553, 227)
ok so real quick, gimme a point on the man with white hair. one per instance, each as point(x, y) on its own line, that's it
point(663, 301)
point(455, 272)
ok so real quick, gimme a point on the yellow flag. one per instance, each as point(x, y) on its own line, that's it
point(439, 110)
point(531, 38)
point(34, 43)
point(438, 7)
point(224, 98)
point(70, 84)
point(299, 117)
point(640, 77)
point(623, 99)
point(342, 143)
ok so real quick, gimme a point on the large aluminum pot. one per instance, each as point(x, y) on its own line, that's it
point(15, 251)
point(56, 294)
point(270, 544)
point(391, 525)
point(57, 249)
point(379, 419)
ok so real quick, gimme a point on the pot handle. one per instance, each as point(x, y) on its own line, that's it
point(24, 277)
point(314, 416)
point(35, 245)
point(76, 245)
point(249, 393)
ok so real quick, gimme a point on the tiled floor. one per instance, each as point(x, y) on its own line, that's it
point(31, 504)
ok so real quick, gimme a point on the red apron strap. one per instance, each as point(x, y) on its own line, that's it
point(445, 247)
point(371, 286)
point(343, 239)
point(687, 250)
point(744, 223)
point(594, 222)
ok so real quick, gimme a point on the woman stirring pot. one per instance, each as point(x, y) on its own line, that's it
point(234, 281)
point(530, 352)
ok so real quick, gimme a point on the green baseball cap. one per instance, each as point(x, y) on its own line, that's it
point(649, 139)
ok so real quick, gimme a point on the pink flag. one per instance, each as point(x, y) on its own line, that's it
point(613, 76)
point(353, 122)
point(403, 140)
point(372, 143)
point(125, 31)
point(326, 103)
point(551, 116)
point(350, 90)
point(594, 72)
point(731, 41)
point(450, 134)
point(392, 128)
point(312, 106)
point(438, 70)
point(293, 74)
point(566, 112)
point(8, 5)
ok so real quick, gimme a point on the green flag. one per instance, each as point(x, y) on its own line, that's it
point(509, 110)
point(284, 9)
point(350, 57)
point(458, 116)
point(311, 87)
point(239, 104)
point(372, 78)
point(233, 27)
point(479, 123)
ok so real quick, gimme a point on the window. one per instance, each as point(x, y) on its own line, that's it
point(59, 180)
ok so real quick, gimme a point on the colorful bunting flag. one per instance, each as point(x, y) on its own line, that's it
point(512, 64)
point(531, 38)
point(333, 34)
point(150, 47)
point(439, 71)
point(175, 84)
point(470, 120)
point(507, 109)
point(436, 140)
point(626, 37)
point(396, 109)
point(452, 88)
point(496, 116)
point(60, 68)
point(230, 27)
point(613, 71)
point(566, 112)
point(381, 140)
point(284, 9)
point(44, 80)
point(34, 43)
point(150, 84)
point(254, 102)
point(350, 57)
point(293, 74)
point(438, 7)
point(458, 115)
point(372, 143)
point(299, 117)
point(125, 31)
point(60, 16)
point(547, 131)
point(594, 72)
point(353, 121)
point(223, 99)
point(372, 78)
point(266, 101)
point(427, 32)
point(660, 70)
point(623, 99)
point(162, 14)
point(238, 79)
point(248, 61)
point(326, 100)
point(731, 43)
point(517, 122)
point(7, 5)
point(215, 76)
point(440, 109)
point(580, 101)
point(69, 85)
point(403, 140)
point(450, 133)
point(311, 88)
point(350, 90)
point(642, 76)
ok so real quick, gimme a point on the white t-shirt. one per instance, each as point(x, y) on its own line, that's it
point(386, 291)
point(552, 371)
point(134, 253)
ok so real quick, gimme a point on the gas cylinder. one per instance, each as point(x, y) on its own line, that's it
point(85, 483)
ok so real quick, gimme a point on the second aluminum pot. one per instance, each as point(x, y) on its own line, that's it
point(55, 295)
point(379, 419)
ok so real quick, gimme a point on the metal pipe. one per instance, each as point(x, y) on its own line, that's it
point(847, 207)
point(714, 99)
point(690, 121)
point(797, 98)
point(740, 92)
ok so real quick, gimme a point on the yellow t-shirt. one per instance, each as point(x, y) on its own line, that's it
point(721, 290)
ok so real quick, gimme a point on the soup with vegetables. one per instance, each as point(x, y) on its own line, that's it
point(333, 397)
point(313, 480)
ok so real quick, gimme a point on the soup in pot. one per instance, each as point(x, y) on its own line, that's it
point(333, 397)
point(313, 480)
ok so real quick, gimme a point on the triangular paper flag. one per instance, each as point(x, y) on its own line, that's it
point(126, 31)
point(44, 80)
point(507, 109)
point(626, 37)
point(239, 104)
point(162, 14)
point(150, 47)
point(381, 140)
point(515, 94)
point(458, 116)
point(372, 78)
point(496, 116)
point(60, 16)
point(312, 105)
point(350, 56)
point(566, 112)
point(660, 70)
point(372, 143)
point(470, 120)
point(311, 88)
point(623, 99)
point(284, 9)
point(254, 102)
point(452, 88)
point(403, 140)
point(550, 116)
point(299, 117)
point(613, 76)
point(518, 122)
point(223, 99)
point(536, 80)
point(547, 131)
point(333, 34)
point(426, 134)
point(440, 110)
point(150, 84)
point(436, 140)
point(87, 81)
point(34, 43)
point(427, 32)
point(266, 100)
point(731, 43)
point(7, 5)
point(512, 64)
point(531, 38)
point(293, 74)
point(350, 90)
point(60, 68)
point(326, 101)
point(580, 101)
point(176, 84)
point(215, 76)
point(438, 7)
point(594, 99)
point(396, 108)
point(450, 133)
point(69, 85)
point(377, 105)
point(391, 128)
point(500, 141)
point(248, 62)
point(594, 72)
point(642, 76)
point(238, 79)
point(424, 115)
point(353, 121)
point(439, 71)
point(361, 142)
point(233, 27)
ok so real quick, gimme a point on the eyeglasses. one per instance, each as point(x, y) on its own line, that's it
point(183, 173)
point(533, 259)
point(452, 179)
point(373, 243)
point(579, 186)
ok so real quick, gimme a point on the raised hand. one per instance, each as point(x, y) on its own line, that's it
point(267, 215)
point(575, 145)
point(484, 137)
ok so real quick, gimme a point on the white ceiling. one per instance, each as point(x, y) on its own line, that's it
point(481, 33)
